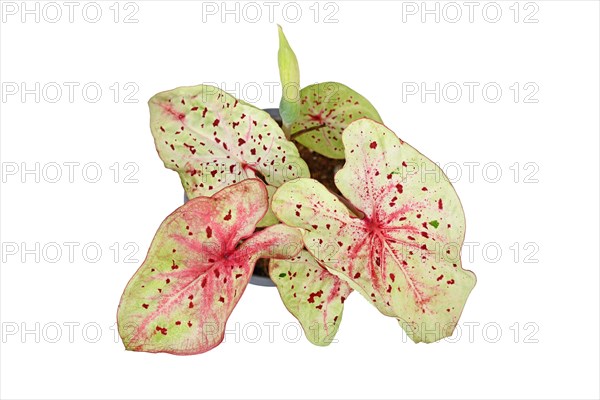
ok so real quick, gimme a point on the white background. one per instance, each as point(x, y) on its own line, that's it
point(546, 311)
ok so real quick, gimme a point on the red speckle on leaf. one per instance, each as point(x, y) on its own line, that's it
point(440, 204)
point(204, 112)
point(327, 226)
point(424, 189)
point(167, 281)
point(404, 164)
point(190, 147)
point(439, 278)
point(162, 129)
point(189, 324)
point(191, 297)
point(203, 284)
point(399, 188)
point(357, 275)
point(222, 299)
point(216, 122)
point(174, 266)
point(315, 226)
point(161, 330)
point(241, 142)
point(311, 297)
point(177, 322)
point(342, 299)
point(373, 145)
point(194, 108)
point(208, 232)
point(191, 305)
point(450, 282)
point(425, 234)
point(145, 306)
point(228, 216)
point(320, 306)
point(393, 277)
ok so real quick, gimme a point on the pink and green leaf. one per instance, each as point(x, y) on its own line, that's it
point(198, 265)
point(213, 140)
point(326, 109)
point(404, 254)
point(312, 294)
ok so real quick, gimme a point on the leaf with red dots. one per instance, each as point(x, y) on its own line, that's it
point(400, 247)
point(326, 109)
point(213, 140)
point(197, 267)
point(312, 294)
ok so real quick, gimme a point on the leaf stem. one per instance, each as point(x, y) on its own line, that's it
point(287, 130)
point(302, 132)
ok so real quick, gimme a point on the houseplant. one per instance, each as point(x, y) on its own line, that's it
point(378, 226)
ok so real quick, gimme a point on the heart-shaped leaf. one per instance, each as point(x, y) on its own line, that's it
point(326, 109)
point(312, 294)
point(404, 254)
point(196, 270)
point(213, 140)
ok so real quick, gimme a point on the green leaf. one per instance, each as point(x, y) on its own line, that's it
point(312, 294)
point(213, 140)
point(326, 109)
point(390, 256)
point(289, 73)
point(198, 265)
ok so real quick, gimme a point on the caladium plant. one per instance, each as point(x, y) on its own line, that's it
point(385, 229)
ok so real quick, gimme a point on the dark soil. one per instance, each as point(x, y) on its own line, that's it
point(321, 168)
